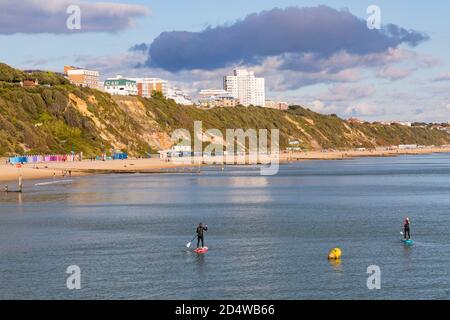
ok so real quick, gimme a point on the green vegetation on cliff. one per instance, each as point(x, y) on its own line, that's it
point(59, 117)
point(10, 76)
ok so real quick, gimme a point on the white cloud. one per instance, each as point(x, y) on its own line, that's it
point(318, 106)
point(341, 68)
point(363, 109)
point(393, 73)
point(50, 16)
point(347, 93)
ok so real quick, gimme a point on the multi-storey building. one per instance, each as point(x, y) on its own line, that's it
point(244, 86)
point(207, 93)
point(179, 96)
point(276, 105)
point(82, 77)
point(121, 86)
point(147, 86)
point(216, 98)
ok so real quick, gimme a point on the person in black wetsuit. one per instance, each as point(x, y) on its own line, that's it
point(406, 233)
point(200, 234)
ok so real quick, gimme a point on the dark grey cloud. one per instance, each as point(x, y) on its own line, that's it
point(141, 47)
point(36, 16)
point(297, 34)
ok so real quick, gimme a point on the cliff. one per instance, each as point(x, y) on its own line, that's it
point(57, 117)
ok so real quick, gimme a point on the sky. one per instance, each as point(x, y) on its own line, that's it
point(321, 55)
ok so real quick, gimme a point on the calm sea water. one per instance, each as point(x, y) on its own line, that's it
point(268, 236)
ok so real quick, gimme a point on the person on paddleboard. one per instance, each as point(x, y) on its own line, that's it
point(200, 234)
point(406, 233)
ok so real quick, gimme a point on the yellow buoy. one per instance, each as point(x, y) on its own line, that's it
point(335, 254)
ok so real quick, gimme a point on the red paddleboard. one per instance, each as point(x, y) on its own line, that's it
point(201, 250)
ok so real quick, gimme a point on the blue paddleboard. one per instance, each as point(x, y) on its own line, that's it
point(407, 241)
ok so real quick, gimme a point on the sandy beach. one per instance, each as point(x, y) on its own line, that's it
point(338, 155)
point(59, 169)
point(10, 173)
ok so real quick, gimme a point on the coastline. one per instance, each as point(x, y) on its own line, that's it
point(348, 154)
point(35, 171)
point(9, 173)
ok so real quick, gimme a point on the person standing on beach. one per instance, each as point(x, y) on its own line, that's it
point(406, 229)
point(200, 234)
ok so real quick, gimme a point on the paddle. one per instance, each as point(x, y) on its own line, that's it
point(188, 245)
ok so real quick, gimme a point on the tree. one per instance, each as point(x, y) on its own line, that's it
point(157, 95)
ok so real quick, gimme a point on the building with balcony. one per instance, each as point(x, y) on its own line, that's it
point(279, 105)
point(82, 77)
point(211, 98)
point(147, 86)
point(121, 86)
point(244, 86)
point(179, 96)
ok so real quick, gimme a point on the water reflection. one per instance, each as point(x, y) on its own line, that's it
point(12, 198)
point(337, 265)
point(200, 260)
point(407, 251)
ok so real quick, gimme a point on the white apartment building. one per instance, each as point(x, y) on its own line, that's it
point(213, 93)
point(244, 86)
point(179, 96)
point(121, 86)
point(147, 86)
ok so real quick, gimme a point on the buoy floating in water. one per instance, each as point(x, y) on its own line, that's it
point(335, 254)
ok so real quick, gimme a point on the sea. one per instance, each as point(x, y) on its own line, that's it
point(125, 236)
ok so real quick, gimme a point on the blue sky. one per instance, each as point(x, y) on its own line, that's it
point(407, 82)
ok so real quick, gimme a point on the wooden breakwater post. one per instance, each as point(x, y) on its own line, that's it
point(20, 187)
point(20, 183)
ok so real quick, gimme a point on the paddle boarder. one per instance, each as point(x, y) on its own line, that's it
point(406, 233)
point(200, 234)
